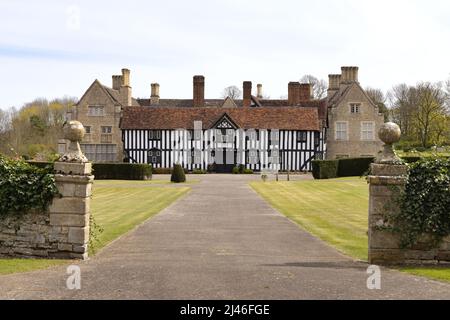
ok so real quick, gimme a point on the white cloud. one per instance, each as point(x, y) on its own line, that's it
point(45, 50)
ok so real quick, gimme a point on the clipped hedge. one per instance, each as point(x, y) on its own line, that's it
point(122, 171)
point(116, 171)
point(350, 167)
point(325, 169)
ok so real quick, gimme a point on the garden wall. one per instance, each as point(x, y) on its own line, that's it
point(61, 231)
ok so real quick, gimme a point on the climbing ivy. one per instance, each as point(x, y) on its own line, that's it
point(24, 187)
point(424, 204)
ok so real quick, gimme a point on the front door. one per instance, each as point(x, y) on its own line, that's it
point(226, 161)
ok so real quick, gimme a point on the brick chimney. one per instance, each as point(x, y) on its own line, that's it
point(116, 82)
point(199, 91)
point(125, 88)
point(305, 92)
point(247, 90)
point(349, 75)
point(293, 93)
point(259, 91)
point(154, 97)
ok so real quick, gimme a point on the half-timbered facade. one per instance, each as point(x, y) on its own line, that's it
point(266, 138)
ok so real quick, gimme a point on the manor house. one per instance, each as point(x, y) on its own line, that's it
point(218, 134)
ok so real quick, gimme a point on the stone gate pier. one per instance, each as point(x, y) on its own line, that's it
point(387, 179)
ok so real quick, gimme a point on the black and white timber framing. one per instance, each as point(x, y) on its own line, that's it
point(257, 149)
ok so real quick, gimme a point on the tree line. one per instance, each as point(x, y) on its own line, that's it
point(33, 130)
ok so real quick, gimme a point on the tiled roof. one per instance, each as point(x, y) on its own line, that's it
point(115, 95)
point(181, 103)
point(287, 118)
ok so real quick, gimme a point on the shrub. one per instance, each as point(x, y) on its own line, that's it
point(421, 149)
point(235, 170)
point(325, 169)
point(122, 171)
point(424, 204)
point(199, 171)
point(350, 167)
point(241, 168)
point(162, 170)
point(178, 174)
point(247, 171)
point(24, 187)
point(410, 159)
point(211, 168)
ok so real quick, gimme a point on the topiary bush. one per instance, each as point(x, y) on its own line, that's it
point(325, 169)
point(178, 174)
point(424, 204)
point(24, 187)
point(350, 167)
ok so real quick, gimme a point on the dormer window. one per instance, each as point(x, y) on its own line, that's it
point(355, 107)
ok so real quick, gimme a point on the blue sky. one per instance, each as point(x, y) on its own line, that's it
point(56, 48)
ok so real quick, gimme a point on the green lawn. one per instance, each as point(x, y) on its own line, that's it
point(117, 206)
point(335, 211)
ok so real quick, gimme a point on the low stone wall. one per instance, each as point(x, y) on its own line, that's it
point(27, 235)
point(62, 231)
point(385, 182)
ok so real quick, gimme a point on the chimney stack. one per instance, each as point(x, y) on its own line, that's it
point(334, 80)
point(305, 92)
point(259, 91)
point(247, 86)
point(199, 91)
point(154, 98)
point(293, 93)
point(116, 82)
point(349, 74)
point(125, 88)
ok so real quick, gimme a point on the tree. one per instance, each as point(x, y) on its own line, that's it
point(403, 101)
point(233, 92)
point(319, 86)
point(379, 98)
point(430, 109)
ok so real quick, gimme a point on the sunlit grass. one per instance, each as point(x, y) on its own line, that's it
point(334, 210)
point(117, 206)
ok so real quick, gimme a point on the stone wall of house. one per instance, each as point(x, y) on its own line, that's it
point(96, 95)
point(386, 181)
point(353, 146)
point(62, 231)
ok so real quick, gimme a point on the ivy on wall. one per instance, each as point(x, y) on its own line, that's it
point(424, 204)
point(24, 187)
